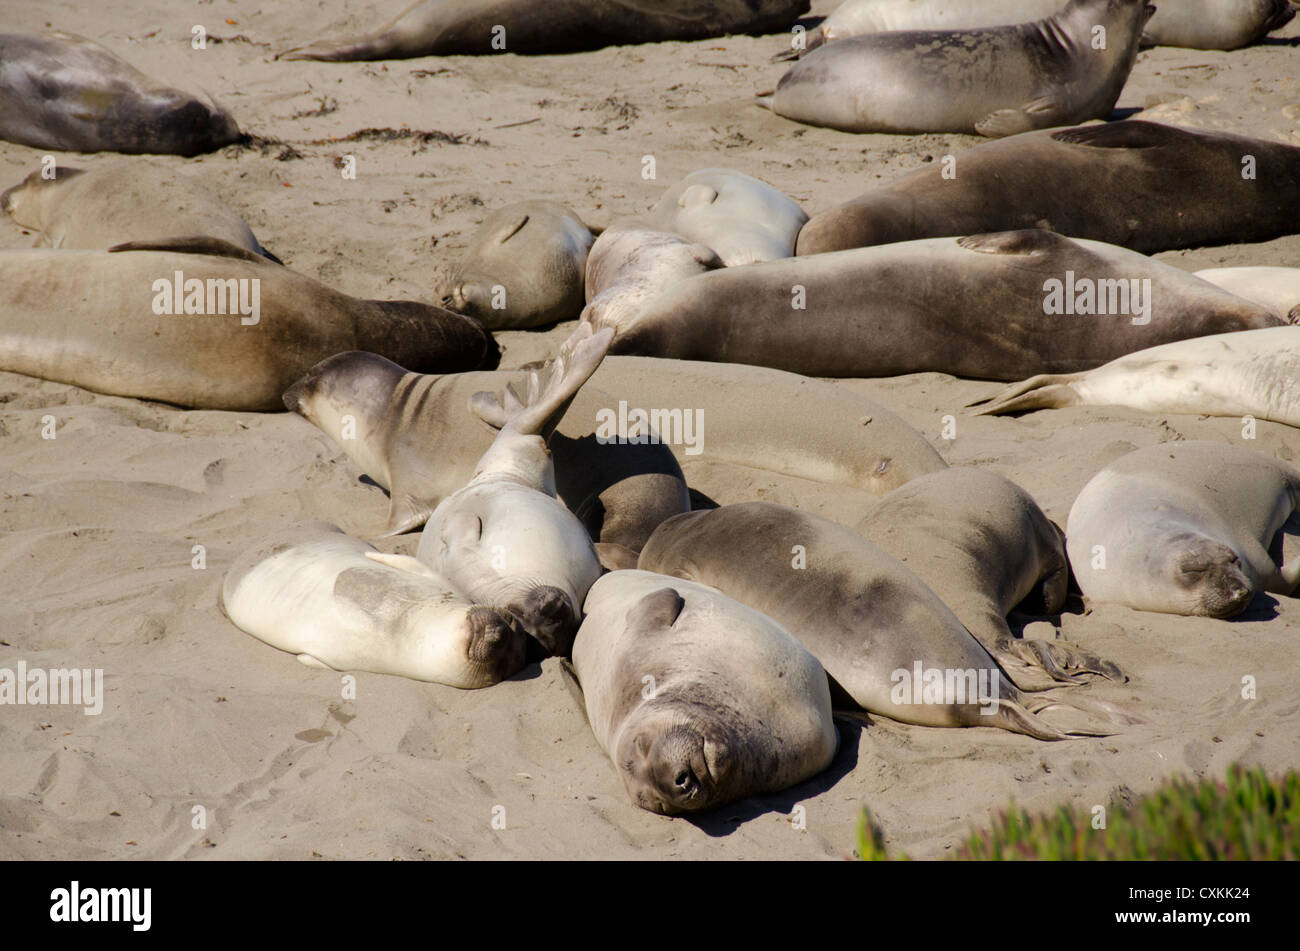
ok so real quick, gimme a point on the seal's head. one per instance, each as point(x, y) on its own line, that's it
point(550, 616)
point(674, 761)
point(1277, 13)
point(25, 202)
point(1210, 575)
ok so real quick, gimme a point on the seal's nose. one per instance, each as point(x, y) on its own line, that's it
point(548, 614)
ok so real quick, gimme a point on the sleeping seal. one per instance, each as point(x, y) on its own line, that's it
point(1277, 288)
point(1192, 528)
point(881, 634)
point(134, 200)
point(996, 81)
point(739, 217)
point(452, 27)
point(201, 323)
point(504, 538)
point(1123, 183)
point(990, 306)
point(61, 91)
point(336, 602)
point(1249, 373)
point(982, 544)
point(697, 699)
point(523, 268)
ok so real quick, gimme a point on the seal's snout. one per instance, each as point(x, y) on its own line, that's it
point(677, 770)
point(550, 616)
point(1215, 573)
point(496, 641)
point(293, 397)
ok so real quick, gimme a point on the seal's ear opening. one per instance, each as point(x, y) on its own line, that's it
point(657, 611)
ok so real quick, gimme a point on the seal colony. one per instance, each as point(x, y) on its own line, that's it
point(644, 510)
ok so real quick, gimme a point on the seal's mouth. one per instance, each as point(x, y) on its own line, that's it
point(1214, 572)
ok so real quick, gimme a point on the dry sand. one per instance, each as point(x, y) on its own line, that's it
point(98, 524)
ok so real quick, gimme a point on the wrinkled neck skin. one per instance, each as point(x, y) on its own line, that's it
point(1068, 34)
point(517, 458)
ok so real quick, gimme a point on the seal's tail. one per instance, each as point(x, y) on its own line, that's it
point(550, 389)
point(1045, 391)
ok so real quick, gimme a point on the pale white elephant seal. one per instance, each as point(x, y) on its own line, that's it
point(744, 220)
point(61, 91)
point(996, 81)
point(452, 27)
point(1185, 528)
point(1200, 24)
point(982, 544)
point(1249, 373)
point(698, 699)
point(504, 538)
point(336, 602)
point(1277, 288)
point(890, 645)
point(204, 324)
point(112, 204)
point(523, 268)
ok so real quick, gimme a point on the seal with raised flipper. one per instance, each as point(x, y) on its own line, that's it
point(453, 27)
point(889, 644)
point(1123, 183)
point(982, 544)
point(134, 200)
point(1194, 528)
point(989, 306)
point(995, 81)
point(698, 699)
point(336, 602)
point(62, 91)
point(204, 324)
point(524, 267)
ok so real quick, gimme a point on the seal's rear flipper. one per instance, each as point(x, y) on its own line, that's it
point(1045, 391)
point(1062, 660)
point(1078, 716)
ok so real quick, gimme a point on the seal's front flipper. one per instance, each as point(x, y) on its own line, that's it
point(570, 675)
point(1045, 391)
point(405, 514)
point(196, 244)
point(1040, 113)
point(1129, 134)
point(614, 556)
point(403, 563)
point(308, 661)
point(765, 101)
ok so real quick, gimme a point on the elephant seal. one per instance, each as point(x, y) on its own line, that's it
point(1277, 288)
point(61, 91)
point(1185, 528)
point(453, 27)
point(1216, 24)
point(504, 538)
point(415, 436)
point(632, 261)
point(112, 204)
point(997, 81)
point(336, 602)
point(991, 306)
point(412, 434)
point(523, 268)
point(1199, 24)
point(697, 699)
point(1121, 183)
point(982, 544)
point(201, 323)
point(878, 630)
point(1249, 373)
point(742, 219)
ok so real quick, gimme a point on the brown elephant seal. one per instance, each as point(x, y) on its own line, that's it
point(112, 204)
point(1249, 373)
point(1199, 24)
point(991, 306)
point(996, 81)
point(524, 268)
point(886, 640)
point(201, 323)
point(413, 435)
point(1124, 183)
point(742, 219)
point(452, 27)
point(336, 602)
point(1192, 528)
point(697, 699)
point(61, 91)
point(1216, 24)
point(982, 544)
point(504, 538)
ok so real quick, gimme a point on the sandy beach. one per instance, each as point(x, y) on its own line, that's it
point(98, 526)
